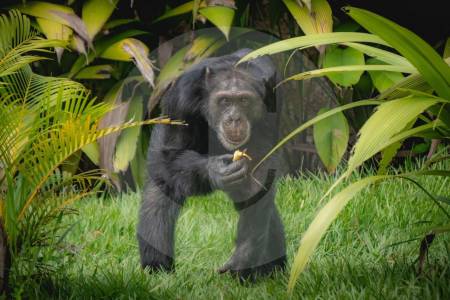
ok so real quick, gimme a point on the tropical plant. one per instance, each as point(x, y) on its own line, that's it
point(44, 122)
point(417, 105)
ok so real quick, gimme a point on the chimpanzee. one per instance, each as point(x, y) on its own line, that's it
point(227, 107)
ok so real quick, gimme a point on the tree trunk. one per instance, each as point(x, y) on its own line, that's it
point(4, 260)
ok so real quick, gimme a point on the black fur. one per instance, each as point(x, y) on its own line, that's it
point(190, 160)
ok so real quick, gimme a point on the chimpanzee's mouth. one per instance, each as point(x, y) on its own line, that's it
point(235, 140)
point(233, 143)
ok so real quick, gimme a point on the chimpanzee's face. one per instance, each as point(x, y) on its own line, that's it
point(234, 105)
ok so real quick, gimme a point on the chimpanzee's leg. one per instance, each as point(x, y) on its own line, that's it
point(260, 244)
point(156, 229)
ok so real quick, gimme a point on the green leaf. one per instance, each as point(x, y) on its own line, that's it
point(344, 69)
point(447, 49)
point(56, 31)
point(179, 10)
point(314, 121)
point(92, 151)
point(100, 46)
point(337, 56)
point(399, 89)
point(200, 44)
point(330, 138)
point(220, 16)
point(56, 13)
point(426, 60)
point(95, 13)
point(138, 165)
point(95, 72)
point(128, 139)
point(312, 40)
point(382, 55)
point(17, 40)
point(315, 19)
point(383, 80)
point(388, 153)
point(389, 119)
point(320, 224)
point(135, 50)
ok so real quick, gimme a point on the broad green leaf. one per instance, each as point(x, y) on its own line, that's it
point(382, 55)
point(179, 10)
point(312, 40)
point(399, 89)
point(331, 138)
point(321, 222)
point(95, 13)
point(199, 45)
point(95, 72)
point(56, 13)
point(220, 16)
point(138, 164)
point(312, 122)
point(314, 19)
point(426, 60)
point(77, 44)
point(119, 50)
point(195, 8)
point(128, 139)
point(132, 49)
point(389, 119)
point(337, 56)
point(92, 151)
point(100, 46)
point(446, 49)
point(416, 131)
point(383, 80)
point(344, 69)
point(54, 30)
point(388, 153)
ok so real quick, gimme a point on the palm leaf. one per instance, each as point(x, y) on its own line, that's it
point(303, 42)
point(320, 224)
point(427, 61)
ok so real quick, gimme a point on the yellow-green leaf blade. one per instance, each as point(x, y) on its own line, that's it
point(336, 56)
point(313, 40)
point(320, 224)
point(221, 16)
point(95, 13)
point(427, 61)
point(314, 19)
point(389, 119)
point(330, 138)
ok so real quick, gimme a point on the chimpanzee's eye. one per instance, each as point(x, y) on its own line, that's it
point(244, 101)
point(225, 101)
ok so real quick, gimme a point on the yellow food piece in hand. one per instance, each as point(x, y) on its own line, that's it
point(240, 154)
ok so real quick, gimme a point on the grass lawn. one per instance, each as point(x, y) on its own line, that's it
point(356, 258)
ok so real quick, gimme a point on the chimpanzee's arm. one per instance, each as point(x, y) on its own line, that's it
point(186, 171)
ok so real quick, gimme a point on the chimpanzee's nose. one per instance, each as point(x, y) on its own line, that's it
point(233, 120)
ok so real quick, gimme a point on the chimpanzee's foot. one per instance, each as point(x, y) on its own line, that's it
point(153, 260)
point(252, 273)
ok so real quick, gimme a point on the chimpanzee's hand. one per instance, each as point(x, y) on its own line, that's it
point(224, 172)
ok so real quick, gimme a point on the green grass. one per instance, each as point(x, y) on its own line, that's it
point(354, 261)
